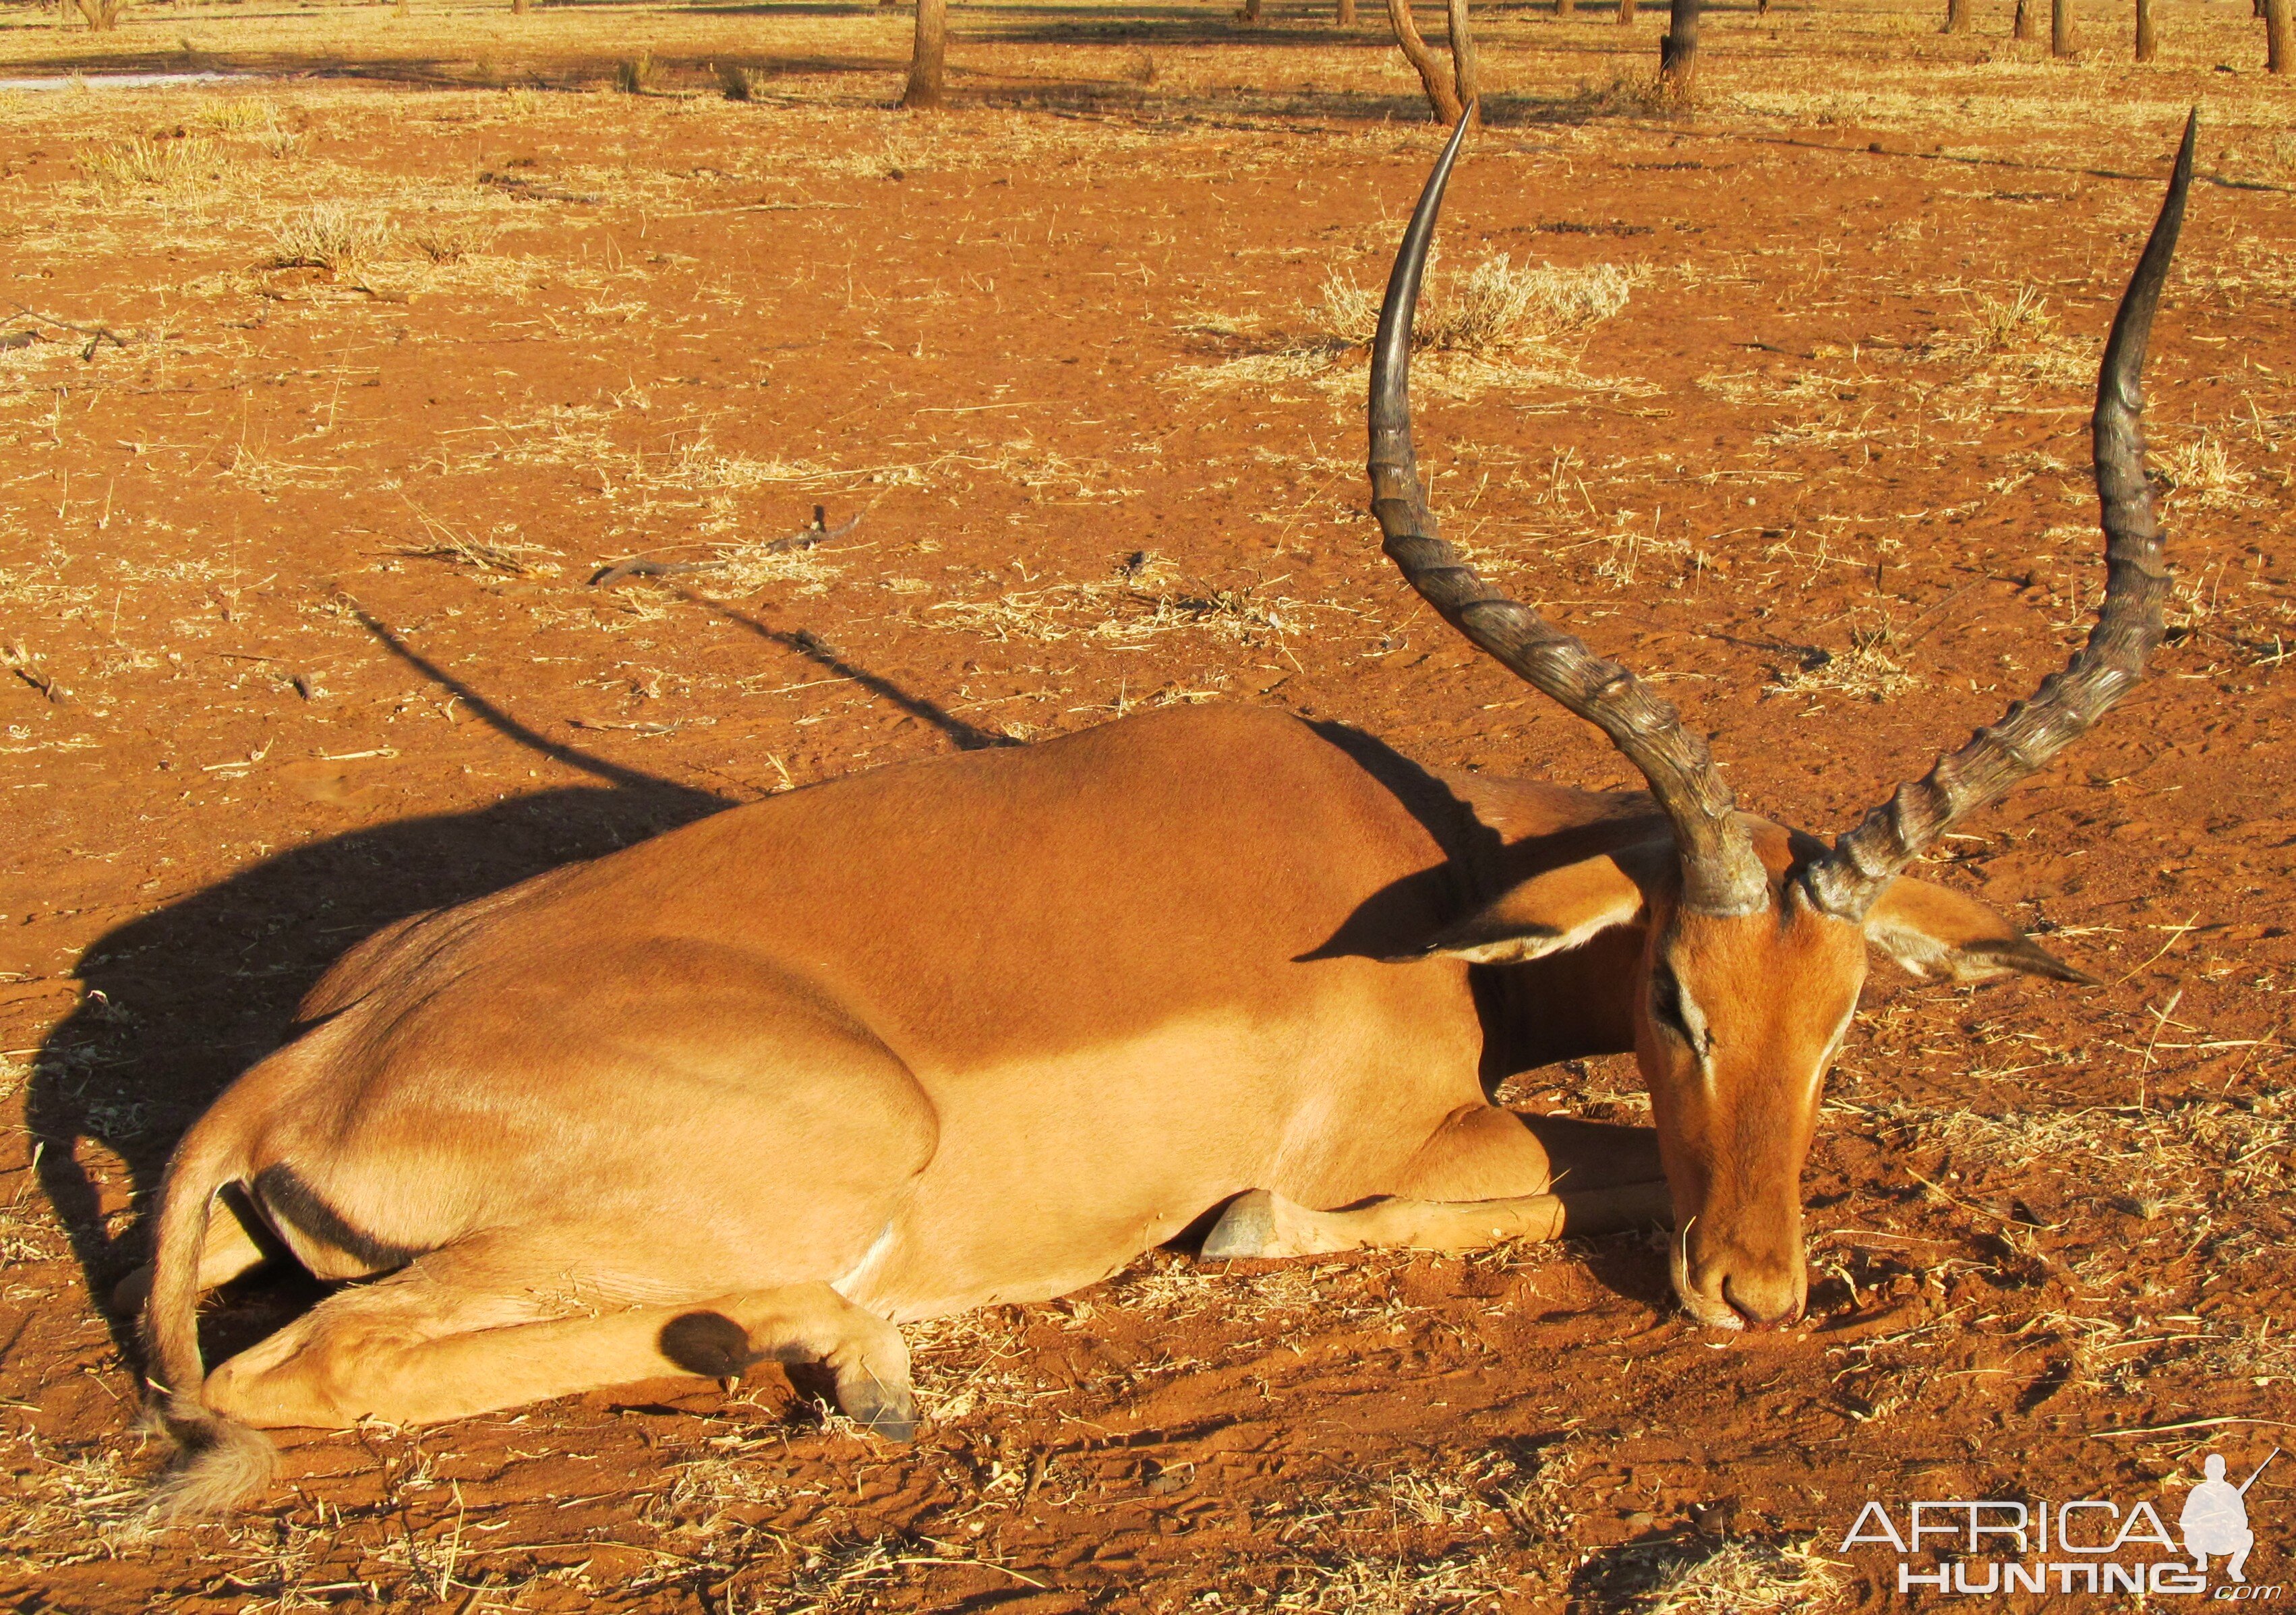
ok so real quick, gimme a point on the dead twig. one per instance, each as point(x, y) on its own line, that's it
point(96, 335)
point(21, 663)
point(529, 190)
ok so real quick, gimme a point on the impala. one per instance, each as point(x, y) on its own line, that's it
point(984, 1027)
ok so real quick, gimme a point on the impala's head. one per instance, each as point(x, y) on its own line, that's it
point(1754, 942)
point(1737, 1017)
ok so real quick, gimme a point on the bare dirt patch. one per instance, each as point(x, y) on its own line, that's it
point(332, 397)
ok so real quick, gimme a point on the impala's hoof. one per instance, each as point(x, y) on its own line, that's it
point(882, 1410)
point(1246, 1228)
point(130, 1294)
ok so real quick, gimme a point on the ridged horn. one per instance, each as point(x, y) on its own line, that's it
point(1720, 873)
point(1845, 881)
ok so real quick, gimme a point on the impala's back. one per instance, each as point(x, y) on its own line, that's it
point(983, 1027)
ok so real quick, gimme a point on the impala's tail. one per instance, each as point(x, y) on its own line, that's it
point(220, 1461)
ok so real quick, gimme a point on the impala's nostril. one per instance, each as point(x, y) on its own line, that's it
point(1763, 1303)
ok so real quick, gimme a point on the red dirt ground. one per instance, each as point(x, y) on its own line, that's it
point(294, 591)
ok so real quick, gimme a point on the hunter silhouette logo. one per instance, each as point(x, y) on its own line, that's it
point(2215, 1519)
point(2088, 1545)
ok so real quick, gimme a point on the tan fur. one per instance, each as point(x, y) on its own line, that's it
point(1929, 930)
point(222, 1462)
point(972, 1031)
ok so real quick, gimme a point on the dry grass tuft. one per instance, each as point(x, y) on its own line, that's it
point(1493, 309)
point(329, 236)
point(501, 553)
point(2016, 323)
point(28, 1231)
point(637, 75)
point(238, 115)
point(449, 240)
point(1866, 671)
point(2242, 1146)
point(2016, 336)
point(1736, 1578)
point(145, 163)
point(842, 1574)
point(1118, 611)
point(81, 1496)
point(741, 83)
point(1635, 92)
point(740, 1470)
point(970, 1363)
point(2252, 1350)
point(1361, 1585)
point(745, 568)
point(1498, 324)
point(2200, 472)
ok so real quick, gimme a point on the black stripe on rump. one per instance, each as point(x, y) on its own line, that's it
point(288, 1199)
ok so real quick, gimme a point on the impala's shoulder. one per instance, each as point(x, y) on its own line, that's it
point(1781, 847)
point(1521, 810)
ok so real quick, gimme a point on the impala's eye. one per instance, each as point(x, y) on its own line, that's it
point(1666, 1004)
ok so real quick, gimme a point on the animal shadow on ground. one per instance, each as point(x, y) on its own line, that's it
point(965, 736)
point(180, 1001)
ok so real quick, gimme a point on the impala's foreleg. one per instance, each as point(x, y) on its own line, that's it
point(1261, 1224)
point(1485, 1174)
point(414, 1349)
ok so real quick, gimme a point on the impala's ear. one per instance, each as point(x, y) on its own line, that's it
point(1933, 931)
point(1556, 911)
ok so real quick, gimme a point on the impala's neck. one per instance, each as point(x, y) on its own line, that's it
point(1572, 1004)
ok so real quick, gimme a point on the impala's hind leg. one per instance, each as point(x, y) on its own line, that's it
point(1484, 1176)
point(415, 1350)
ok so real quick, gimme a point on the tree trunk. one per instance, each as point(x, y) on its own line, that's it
point(2147, 47)
point(2061, 41)
point(1432, 78)
point(2026, 25)
point(1566, 8)
point(1678, 50)
point(1960, 16)
point(1251, 12)
point(519, 8)
point(923, 91)
point(1626, 12)
point(1466, 77)
point(1347, 13)
point(2279, 47)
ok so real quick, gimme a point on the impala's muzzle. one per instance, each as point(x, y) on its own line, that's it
point(1741, 1272)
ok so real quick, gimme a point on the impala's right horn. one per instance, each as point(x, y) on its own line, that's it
point(1720, 873)
point(1846, 880)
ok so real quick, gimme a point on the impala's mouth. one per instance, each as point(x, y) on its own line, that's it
point(1709, 1299)
point(1711, 1311)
